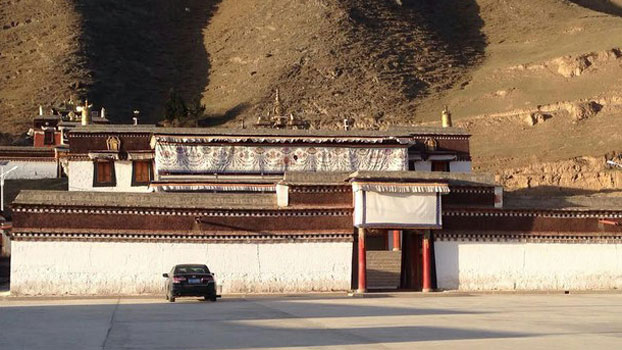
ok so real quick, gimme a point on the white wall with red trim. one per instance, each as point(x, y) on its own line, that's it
point(128, 268)
point(32, 169)
point(81, 175)
point(489, 266)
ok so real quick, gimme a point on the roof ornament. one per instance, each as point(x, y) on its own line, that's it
point(446, 118)
point(86, 113)
point(278, 108)
point(279, 119)
point(113, 143)
point(348, 122)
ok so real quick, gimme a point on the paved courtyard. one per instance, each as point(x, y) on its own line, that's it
point(405, 322)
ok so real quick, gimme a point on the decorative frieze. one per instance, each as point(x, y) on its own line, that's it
point(528, 237)
point(196, 238)
point(535, 213)
point(320, 189)
point(211, 213)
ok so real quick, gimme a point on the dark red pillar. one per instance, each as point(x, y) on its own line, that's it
point(396, 240)
point(427, 264)
point(362, 262)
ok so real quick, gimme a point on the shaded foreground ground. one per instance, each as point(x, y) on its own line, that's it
point(457, 322)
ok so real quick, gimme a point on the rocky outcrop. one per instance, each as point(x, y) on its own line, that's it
point(587, 173)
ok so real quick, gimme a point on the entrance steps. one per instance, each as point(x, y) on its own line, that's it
point(383, 269)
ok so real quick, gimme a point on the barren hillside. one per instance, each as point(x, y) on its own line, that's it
point(40, 58)
point(537, 83)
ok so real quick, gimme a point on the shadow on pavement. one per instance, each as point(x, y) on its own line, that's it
point(230, 325)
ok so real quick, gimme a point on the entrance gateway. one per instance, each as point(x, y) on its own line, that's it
point(394, 219)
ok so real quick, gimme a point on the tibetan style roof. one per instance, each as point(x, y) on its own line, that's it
point(548, 202)
point(26, 151)
point(146, 200)
point(308, 178)
point(114, 129)
point(260, 132)
point(455, 179)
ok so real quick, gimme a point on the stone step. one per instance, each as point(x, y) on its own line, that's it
point(383, 268)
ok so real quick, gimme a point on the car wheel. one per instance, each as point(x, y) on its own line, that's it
point(171, 299)
point(212, 298)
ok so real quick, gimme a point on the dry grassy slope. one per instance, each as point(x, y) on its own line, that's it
point(122, 55)
point(39, 60)
point(533, 54)
point(371, 60)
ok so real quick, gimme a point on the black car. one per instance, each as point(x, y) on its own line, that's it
point(190, 281)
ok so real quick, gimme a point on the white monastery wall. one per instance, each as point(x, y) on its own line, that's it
point(527, 266)
point(423, 165)
point(31, 169)
point(81, 177)
point(113, 268)
point(460, 166)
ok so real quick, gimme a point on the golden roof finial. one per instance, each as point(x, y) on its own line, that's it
point(446, 118)
point(278, 109)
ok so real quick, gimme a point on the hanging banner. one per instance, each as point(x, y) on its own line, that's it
point(408, 206)
point(208, 159)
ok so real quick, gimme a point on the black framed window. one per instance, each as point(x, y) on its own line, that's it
point(48, 137)
point(141, 172)
point(104, 174)
point(440, 165)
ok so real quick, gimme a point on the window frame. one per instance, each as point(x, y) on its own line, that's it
point(446, 166)
point(49, 137)
point(149, 168)
point(113, 176)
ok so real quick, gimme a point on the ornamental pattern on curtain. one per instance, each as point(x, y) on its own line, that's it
point(176, 158)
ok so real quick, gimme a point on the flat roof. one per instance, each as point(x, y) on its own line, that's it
point(113, 128)
point(342, 178)
point(147, 200)
point(456, 179)
point(317, 178)
point(393, 132)
point(563, 202)
point(27, 149)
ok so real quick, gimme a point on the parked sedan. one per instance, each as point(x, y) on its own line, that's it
point(190, 281)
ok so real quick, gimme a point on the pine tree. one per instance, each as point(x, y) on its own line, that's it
point(175, 107)
point(196, 111)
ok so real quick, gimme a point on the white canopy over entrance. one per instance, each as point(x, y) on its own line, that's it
point(398, 205)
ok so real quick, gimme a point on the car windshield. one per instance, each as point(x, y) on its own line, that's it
point(191, 269)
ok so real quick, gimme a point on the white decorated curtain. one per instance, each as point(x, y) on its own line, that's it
point(397, 210)
point(192, 159)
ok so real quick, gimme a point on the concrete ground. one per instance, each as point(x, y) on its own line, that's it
point(491, 321)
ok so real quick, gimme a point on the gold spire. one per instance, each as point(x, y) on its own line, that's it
point(278, 109)
point(86, 113)
point(446, 118)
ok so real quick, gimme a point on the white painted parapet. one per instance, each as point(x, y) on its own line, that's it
point(32, 169)
point(129, 268)
point(81, 174)
point(460, 166)
point(479, 266)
